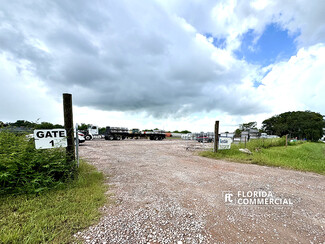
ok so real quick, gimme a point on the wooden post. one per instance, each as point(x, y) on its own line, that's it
point(68, 125)
point(77, 145)
point(245, 141)
point(216, 136)
point(286, 140)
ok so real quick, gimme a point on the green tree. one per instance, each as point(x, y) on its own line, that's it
point(237, 133)
point(33, 125)
point(247, 126)
point(101, 130)
point(56, 126)
point(83, 126)
point(302, 124)
point(23, 123)
point(48, 125)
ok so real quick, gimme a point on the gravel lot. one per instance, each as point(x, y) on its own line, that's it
point(162, 192)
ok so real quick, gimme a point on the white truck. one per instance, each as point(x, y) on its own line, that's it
point(92, 132)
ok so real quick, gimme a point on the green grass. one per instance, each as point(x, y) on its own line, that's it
point(173, 138)
point(306, 156)
point(53, 216)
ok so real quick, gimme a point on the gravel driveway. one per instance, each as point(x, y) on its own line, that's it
point(163, 192)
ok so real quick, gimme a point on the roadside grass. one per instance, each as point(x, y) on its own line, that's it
point(173, 138)
point(55, 215)
point(303, 156)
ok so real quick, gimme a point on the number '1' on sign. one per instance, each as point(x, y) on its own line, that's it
point(45, 139)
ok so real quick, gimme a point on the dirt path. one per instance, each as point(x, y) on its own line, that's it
point(165, 194)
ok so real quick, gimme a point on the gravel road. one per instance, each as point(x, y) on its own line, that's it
point(162, 192)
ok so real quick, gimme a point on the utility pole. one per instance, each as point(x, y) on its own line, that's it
point(216, 136)
point(68, 125)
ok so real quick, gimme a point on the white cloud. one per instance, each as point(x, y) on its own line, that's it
point(231, 19)
point(297, 84)
point(149, 63)
point(23, 97)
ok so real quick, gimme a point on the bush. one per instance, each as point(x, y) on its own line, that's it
point(264, 143)
point(23, 169)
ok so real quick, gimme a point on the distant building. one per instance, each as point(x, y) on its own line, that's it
point(179, 135)
point(249, 134)
point(227, 134)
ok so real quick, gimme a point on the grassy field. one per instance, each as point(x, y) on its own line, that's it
point(306, 156)
point(53, 216)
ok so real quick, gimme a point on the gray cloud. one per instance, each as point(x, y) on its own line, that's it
point(123, 56)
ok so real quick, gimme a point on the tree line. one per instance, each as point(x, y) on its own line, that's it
point(297, 124)
point(301, 124)
point(31, 125)
point(47, 125)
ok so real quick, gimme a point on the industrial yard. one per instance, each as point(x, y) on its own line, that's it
point(163, 192)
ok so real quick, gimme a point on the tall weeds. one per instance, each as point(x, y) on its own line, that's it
point(23, 169)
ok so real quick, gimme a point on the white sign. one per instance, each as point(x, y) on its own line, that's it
point(50, 138)
point(224, 143)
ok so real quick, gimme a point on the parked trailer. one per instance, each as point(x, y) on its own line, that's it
point(121, 133)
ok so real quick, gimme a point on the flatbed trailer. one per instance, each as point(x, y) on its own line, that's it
point(122, 133)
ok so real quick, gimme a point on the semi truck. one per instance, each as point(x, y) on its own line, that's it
point(92, 132)
point(121, 133)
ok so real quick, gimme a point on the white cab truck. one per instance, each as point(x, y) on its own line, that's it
point(92, 132)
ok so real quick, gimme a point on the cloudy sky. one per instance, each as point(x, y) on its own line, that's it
point(171, 64)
